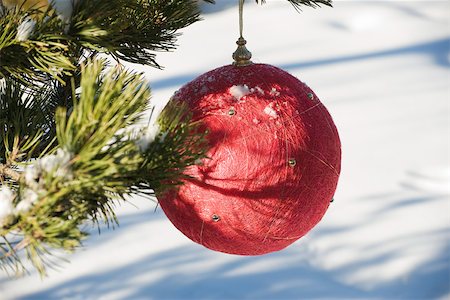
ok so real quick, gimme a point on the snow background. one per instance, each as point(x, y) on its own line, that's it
point(382, 70)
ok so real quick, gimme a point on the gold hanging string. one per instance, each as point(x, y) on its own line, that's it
point(241, 17)
point(241, 56)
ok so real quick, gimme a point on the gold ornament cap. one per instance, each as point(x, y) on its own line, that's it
point(242, 56)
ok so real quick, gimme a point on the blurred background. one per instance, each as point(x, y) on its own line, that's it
point(382, 68)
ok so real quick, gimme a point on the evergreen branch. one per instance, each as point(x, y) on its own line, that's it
point(299, 3)
point(26, 120)
point(133, 30)
point(32, 53)
point(129, 30)
point(95, 164)
point(181, 144)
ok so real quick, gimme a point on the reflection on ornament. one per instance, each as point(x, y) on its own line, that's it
point(272, 167)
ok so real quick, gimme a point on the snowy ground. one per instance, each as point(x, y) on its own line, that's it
point(382, 69)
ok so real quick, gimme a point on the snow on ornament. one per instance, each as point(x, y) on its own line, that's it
point(273, 163)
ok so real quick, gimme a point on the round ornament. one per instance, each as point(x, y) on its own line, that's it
point(273, 162)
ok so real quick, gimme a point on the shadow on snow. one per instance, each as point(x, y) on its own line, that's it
point(437, 50)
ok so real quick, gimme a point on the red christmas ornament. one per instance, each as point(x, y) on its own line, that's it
point(273, 164)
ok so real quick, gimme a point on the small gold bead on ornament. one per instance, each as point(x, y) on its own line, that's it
point(292, 162)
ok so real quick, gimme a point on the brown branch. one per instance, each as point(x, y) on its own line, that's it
point(13, 250)
point(6, 171)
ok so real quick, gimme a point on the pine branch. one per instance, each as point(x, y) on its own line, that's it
point(31, 46)
point(299, 3)
point(66, 156)
point(182, 144)
point(129, 30)
point(6, 171)
point(95, 163)
point(26, 120)
point(133, 30)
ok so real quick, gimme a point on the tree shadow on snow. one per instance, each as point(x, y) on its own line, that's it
point(220, 5)
point(192, 272)
point(437, 50)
